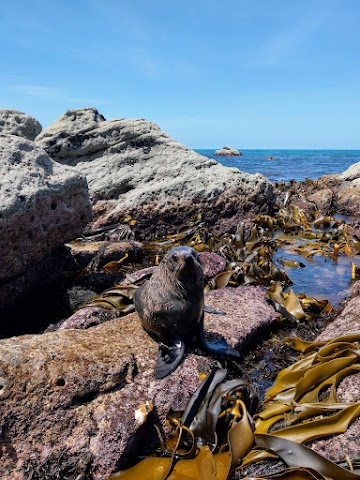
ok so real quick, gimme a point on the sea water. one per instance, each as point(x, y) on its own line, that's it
point(322, 277)
point(279, 165)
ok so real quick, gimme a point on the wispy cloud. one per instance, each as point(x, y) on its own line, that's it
point(154, 67)
point(37, 91)
point(54, 94)
point(282, 47)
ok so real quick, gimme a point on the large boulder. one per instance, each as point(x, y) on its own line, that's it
point(71, 400)
point(42, 205)
point(134, 168)
point(13, 122)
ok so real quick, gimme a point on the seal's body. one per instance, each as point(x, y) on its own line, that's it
point(171, 308)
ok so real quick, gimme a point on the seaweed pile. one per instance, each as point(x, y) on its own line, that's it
point(223, 434)
point(223, 430)
point(249, 255)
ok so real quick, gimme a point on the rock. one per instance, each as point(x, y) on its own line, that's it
point(38, 275)
point(212, 264)
point(346, 190)
point(86, 317)
point(69, 397)
point(13, 122)
point(347, 443)
point(135, 169)
point(322, 199)
point(42, 205)
point(352, 173)
point(348, 197)
point(227, 152)
point(347, 321)
point(99, 253)
point(78, 296)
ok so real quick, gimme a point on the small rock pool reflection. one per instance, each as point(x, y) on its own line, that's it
point(321, 277)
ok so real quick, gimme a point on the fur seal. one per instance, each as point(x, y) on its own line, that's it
point(171, 308)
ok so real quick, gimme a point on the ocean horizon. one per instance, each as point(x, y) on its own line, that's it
point(288, 164)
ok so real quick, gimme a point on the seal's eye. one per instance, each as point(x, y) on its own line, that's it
point(175, 257)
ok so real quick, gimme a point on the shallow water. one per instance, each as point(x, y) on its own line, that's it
point(321, 278)
point(289, 164)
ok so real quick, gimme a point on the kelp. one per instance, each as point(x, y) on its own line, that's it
point(249, 255)
point(212, 436)
point(222, 430)
point(295, 307)
point(302, 404)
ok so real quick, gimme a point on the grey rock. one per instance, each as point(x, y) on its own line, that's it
point(42, 205)
point(13, 122)
point(352, 173)
point(134, 168)
point(228, 152)
point(322, 199)
point(346, 190)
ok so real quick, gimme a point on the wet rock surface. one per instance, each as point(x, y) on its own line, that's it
point(78, 389)
point(134, 168)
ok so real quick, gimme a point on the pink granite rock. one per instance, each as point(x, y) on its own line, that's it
point(69, 397)
point(212, 264)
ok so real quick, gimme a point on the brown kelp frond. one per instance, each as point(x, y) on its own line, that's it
point(210, 439)
point(216, 434)
point(295, 307)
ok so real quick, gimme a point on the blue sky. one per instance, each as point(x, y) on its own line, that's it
point(248, 73)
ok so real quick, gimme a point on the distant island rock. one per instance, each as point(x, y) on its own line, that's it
point(228, 152)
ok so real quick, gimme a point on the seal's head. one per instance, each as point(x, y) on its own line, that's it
point(182, 261)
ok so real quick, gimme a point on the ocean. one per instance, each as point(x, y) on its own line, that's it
point(289, 164)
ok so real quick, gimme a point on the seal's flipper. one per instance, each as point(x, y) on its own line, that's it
point(169, 357)
point(216, 345)
point(214, 311)
point(220, 347)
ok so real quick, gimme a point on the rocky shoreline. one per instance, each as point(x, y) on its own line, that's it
point(68, 395)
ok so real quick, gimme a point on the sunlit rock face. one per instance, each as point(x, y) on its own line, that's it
point(134, 168)
point(42, 205)
point(13, 122)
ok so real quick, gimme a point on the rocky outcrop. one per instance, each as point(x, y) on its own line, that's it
point(42, 205)
point(13, 122)
point(348, 192)
point(134, 168)
point(338, 193)
point(227, 152)
point(70, 399)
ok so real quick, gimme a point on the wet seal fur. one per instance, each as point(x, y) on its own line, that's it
point(171, 308)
